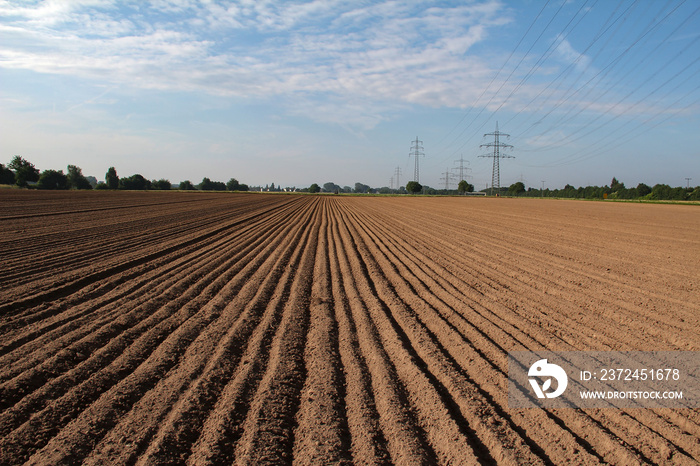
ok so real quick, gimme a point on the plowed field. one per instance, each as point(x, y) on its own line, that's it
point(178, 328)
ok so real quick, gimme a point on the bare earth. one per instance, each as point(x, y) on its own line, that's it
point(193, 328)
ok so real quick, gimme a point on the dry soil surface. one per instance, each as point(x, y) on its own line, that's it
point(194, 328)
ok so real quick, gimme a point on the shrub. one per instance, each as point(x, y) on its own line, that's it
point(209, 185)
point(111, 179)
point(24, 171)
point(76, 180)
point(161, 184)
point(53, 179)
point(7, 176)
point(414, 187)
point(134, 182)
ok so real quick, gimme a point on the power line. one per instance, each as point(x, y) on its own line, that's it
point(594, 152)
point(637, 59)
point(568, 139)
point(637, 38)
point(545, 55)
point(604, 28)
point(550, 50)
point(605, 71)
point(498, 73)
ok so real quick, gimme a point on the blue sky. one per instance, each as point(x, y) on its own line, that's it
point(293, 93)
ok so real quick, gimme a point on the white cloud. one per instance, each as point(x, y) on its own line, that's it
point(570, 56)
point(396, 52)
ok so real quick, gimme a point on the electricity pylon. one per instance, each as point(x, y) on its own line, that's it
point(497, 146)
point(447, 179)
point(462, 168)
point(397, 174)
point(416, 153)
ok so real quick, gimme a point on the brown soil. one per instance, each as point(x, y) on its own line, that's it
point(194, 328)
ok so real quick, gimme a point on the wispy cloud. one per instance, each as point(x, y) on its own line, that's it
point(570, 56)
point(384, 55)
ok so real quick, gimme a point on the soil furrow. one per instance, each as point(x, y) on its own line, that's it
point(223, 429)
point(406, 442)
point(112, 350)
point(322, 435)
point(367, 439)
point(219, 328)
point(489, 445)
point(205, 363)
point(268, 431)
point(471, 352)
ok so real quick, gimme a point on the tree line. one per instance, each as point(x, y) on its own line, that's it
point(616, 190)
point(412, 187)
point(22, 173)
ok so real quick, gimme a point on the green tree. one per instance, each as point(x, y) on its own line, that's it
point(76, 180)
point(111, 179)
point(7, 176)
point(465, 187)
point(52, 179)
point(209, 185)
point(331, 187)
point(24, 171)
point(694, 194)
point(233, 185)
point(161, 184)
point(616, 185)
point(414, 187)
point(661, 192)
point(362, 188)
point(206, 185)
point(186, 185)
point(134, 182)
point(643, 190)
point(516, 189)
point(627, 193)
point(678, 193)
point(314, 188)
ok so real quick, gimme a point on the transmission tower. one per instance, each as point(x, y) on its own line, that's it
point(462, 168)
point(447, 179)
point(397, 175)
point(497, 146)
point(416, 153)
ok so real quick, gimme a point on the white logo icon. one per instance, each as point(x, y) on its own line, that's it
point(544, 369)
